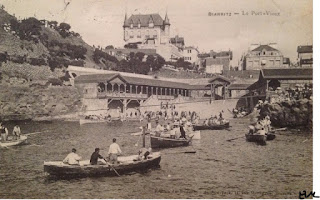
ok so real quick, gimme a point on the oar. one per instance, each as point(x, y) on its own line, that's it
point(235, 138)
point(112, 167)
point(182, 152)
point(280, 129)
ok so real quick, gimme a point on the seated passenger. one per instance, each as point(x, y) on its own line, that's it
point(143, 153)
point(72, 158)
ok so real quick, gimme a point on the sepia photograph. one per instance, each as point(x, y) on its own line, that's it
point(156, 99)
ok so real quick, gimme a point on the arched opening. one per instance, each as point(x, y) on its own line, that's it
point(101, 87)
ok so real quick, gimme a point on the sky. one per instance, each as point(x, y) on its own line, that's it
point(100, 21)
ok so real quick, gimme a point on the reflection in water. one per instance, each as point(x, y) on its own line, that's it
point(218, 169)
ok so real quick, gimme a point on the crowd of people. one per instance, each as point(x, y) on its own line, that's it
point(261, 127)
point(175, 130)
point(214, 120)
point(240, 112)
point(299, 92)
point(5, 136)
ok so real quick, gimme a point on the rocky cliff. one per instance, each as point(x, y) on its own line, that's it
point(291, 113)
point(29, 102)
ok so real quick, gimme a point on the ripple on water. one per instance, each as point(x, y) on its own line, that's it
point(283, 165)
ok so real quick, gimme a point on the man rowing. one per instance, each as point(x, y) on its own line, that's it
point(95, 156)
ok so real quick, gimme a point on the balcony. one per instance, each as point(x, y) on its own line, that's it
point(102, 95)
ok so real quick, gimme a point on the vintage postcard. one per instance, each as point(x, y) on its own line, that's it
point(156, 99)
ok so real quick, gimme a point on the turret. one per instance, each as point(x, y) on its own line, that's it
point(166, 20)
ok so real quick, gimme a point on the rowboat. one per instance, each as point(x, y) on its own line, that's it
point(20, 141)
point(90, 121)
point(260, 139)
point(84, 169)
point(163, 142)
point(211, 127)
point(271, 136)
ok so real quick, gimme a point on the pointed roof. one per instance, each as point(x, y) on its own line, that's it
point(166, 20)
point(144, 20)
point(265, 47)
point(126, 22)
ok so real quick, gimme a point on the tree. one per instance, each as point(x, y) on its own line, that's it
point(53, 24)
point(109, 47)
point(183, 64)
point(140, 56)
point(63, 29)
point(29, 29)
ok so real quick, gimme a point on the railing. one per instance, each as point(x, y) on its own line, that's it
point(121, 95)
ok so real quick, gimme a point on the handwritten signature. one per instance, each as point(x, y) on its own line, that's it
point(303, 194)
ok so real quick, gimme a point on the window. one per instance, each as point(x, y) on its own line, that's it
point(189, 50)
point(147, 34)
point(131, 25)
point(139, 25)
point(155, 34)
point(139, 34)
point(131, 34)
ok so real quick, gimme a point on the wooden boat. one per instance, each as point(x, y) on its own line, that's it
point(271, 136)
point(211, 127)
point(20, 141)
point(90, 121)
point(127, 164)
point(163, 142)
point(259, 139)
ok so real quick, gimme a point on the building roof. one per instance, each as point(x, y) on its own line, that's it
point(217, 61)
point(96, 78)
point(177, 39)
point(239, 86)
point(224, 54)
point(287, 73)
point(264, 47)
point(305, 49)
point(144, 20)
point(203, 55)
point(187, 48)
point(128, 51)
point(166, 20)
point(217, 77)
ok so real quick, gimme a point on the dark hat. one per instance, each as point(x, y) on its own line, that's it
point(96, 149)
point(74, 150)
